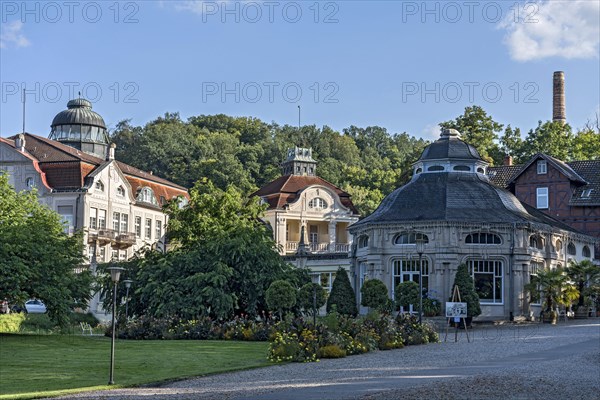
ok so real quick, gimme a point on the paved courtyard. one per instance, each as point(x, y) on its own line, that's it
point(529, 361)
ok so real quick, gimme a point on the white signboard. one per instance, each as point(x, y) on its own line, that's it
point(456, 310)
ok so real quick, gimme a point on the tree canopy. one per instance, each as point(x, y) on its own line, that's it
point(223, 260)
point(37, 258)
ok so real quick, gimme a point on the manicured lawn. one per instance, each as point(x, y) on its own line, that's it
point(37, 366)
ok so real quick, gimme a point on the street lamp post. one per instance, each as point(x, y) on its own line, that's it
point(115, 274)
point(127, 283)
point(420, 245)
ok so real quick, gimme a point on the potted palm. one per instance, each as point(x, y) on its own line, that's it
point(556, 289)
point(584, 274)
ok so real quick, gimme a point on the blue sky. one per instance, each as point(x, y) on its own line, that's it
point(402, 65)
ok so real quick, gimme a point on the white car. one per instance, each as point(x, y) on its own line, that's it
point(35, 307)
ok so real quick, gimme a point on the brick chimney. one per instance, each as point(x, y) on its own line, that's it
point(508, 160)
point(20, 142)
point(559, 113)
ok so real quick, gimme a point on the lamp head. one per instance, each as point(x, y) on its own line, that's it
point(420, 245)
point(115, 273)
point(127, 283)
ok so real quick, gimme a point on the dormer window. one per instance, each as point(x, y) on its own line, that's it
point(317, 204)
point(121, 191)
point(100, 186)
point(146, 195)
point(542, 167)
point(586, 193)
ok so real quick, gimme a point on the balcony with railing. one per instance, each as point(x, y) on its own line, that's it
point(319, 248)
point(118, 239)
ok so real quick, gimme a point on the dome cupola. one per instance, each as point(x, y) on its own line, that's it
point(80, 127)
point(450, 154)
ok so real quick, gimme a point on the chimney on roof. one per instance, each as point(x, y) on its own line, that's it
point(508, 160)
point(559, 113)
point(111, 152)
point(20, 142)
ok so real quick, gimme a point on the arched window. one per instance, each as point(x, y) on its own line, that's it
point(405, 270)
point(410, 238)
point(571, 249)
point(146, 195)
point(536, 242)
point(480, 170)
point(586, 252)
point(483, 238)
point(363, 241)
point(317, 203)
point(121, 191)
point(419, 170)
point(100, 186)
point(558, 246)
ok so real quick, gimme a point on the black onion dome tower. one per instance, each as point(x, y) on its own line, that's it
point(80, 127)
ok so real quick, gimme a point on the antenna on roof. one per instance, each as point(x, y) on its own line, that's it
point(79, 93)
point(298, 118)
point(24, 110)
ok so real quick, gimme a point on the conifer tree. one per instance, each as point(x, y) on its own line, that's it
point(468, 294)
point(342, 295)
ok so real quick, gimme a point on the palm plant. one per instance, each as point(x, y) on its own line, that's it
point(555, 288)
point(584, 274)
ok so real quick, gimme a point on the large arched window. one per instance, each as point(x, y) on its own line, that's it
point(317, 203)
point(558, 246)
point(483, 238)
point(586, 252)
point(405, 270)
point(487, 276)
point(410, 238)
point(571, 250)
point(363, 241)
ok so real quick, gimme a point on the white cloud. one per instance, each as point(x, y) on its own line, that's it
point(431, 132)
point(11, 35)
point(567, 29)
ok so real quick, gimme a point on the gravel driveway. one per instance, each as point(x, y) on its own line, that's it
point(529, 361)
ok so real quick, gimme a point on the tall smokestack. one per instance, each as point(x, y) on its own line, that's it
point(559, 113)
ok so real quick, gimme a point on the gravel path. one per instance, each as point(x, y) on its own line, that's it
point(502, 362)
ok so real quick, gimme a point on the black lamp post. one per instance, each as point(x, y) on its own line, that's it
point(420, 245)
point(127, 283)
point(115, 274)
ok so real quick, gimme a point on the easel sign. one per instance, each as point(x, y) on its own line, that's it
point(456, 310)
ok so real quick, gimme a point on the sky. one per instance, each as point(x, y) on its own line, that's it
point(402, 65)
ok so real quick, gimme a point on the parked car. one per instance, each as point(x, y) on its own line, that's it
point(35, 307)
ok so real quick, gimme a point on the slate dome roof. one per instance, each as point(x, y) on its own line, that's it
point(453, 196)
point(79, 111)
point(449, 145)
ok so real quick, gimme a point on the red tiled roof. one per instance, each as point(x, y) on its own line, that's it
point(67, 168)
point(36, 165)
point(286, 189)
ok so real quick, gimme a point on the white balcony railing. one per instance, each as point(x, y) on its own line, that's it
point(291, 247)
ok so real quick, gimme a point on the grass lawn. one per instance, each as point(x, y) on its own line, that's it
point(38, 366)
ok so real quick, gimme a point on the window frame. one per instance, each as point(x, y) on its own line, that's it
point(497, 266)
point(409, 267)
point(542, 167)
point(411, 238)
point(540, 196)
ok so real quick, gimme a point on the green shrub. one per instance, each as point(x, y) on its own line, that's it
point(332, 351)
point(38, 323)
point(306, 296)
point(342, 295)
point(407, 293)
point(374, 294)
point(11, 323)
point(280, 296)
